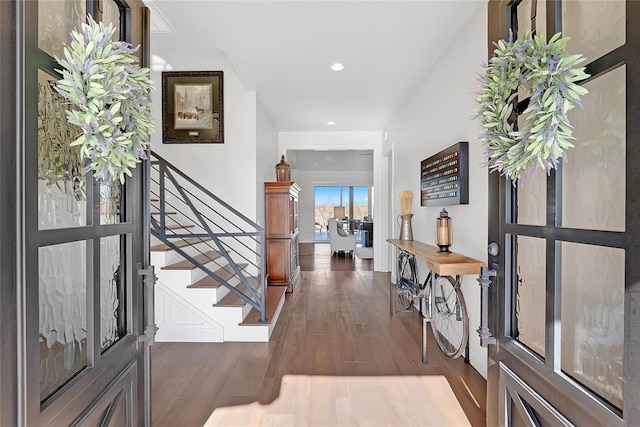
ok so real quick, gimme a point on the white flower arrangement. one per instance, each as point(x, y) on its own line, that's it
point(548, 73)
point(110, 98)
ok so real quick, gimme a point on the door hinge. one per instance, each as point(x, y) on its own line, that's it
point(486, 337)
point(149, 282)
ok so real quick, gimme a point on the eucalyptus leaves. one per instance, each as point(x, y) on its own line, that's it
point(110, 98)
point(544, 70)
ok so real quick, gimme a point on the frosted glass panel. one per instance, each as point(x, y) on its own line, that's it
point(62, 198)
point(531, 193)
point(593, 317)
point(532, 198)
point(524, 26)
point(111, 15)
point(56, 19)
point(524, 17)
point(593, 178)
point(110, 202)
point(531, 291)
point(595, 27)
point(63, 313)
point(112, 280)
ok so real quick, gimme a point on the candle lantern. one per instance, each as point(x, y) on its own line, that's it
point(444, 237)
point(283, 170)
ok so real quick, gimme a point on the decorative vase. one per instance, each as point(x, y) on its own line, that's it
point(283, 170)
point(406, 232)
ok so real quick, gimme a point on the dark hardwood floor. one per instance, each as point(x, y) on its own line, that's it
point(336, 323)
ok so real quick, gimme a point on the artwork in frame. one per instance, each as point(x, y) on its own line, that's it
point(192, 107)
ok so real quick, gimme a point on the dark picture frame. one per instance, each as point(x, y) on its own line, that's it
point(192, 107)
point(444, 177)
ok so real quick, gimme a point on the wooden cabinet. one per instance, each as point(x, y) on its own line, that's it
point(281, 232)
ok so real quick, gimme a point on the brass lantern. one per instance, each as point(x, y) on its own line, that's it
point(444, 237)
point(283, 170)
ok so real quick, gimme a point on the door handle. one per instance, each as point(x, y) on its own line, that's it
point(486, 337)
point(493, 249)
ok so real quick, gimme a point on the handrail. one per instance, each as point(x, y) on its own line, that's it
point(204, 190)
point(176, 189)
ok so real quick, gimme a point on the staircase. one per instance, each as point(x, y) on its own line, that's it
point(209, 259)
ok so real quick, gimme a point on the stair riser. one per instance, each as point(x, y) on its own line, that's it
point(179, 279)
point(165, 258)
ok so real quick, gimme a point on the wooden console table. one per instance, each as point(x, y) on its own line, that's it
point(442, 264)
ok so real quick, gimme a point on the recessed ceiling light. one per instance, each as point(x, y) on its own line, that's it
point(337, 67)
point(331, 123)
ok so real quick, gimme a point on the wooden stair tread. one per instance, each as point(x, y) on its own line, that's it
point(154, 200)
point(178, 226)
point(224, 273)
point(232, 300)
point(274, 294)
point(187, 265)
point(163, 247)
point(166, 213)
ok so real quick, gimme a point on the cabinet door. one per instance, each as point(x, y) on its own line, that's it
point(294, 257)
point(279, 261)
point(278, 221)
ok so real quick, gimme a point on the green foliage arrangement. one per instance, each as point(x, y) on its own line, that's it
point(549, 74)
point(110, 98)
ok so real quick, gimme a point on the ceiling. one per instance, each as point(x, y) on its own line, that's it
point(283, 50)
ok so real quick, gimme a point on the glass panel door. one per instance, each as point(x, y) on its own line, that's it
point(83, 246)
point(566, 268)
point(326, 198)
point(350, 203)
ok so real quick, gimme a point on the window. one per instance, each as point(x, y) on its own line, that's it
point(356, 201)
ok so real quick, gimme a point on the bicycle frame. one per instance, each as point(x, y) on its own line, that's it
point(425, 294)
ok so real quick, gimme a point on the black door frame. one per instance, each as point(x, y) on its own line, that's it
point(8, 231)
point(501, 194)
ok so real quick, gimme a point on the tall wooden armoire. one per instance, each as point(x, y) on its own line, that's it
point(281, 230)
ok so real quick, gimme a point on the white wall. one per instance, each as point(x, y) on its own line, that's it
point(307, 180)
point(228, 170)
point(371, 140)
point(438, 114)
point(266, 156)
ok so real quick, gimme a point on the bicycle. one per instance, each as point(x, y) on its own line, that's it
point(440, 301)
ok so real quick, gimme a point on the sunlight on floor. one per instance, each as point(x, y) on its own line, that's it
point(349, 401)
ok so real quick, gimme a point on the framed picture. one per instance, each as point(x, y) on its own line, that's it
point(192, 107)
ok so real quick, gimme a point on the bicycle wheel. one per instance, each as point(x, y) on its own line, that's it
point(406, 275)
point(449, 319)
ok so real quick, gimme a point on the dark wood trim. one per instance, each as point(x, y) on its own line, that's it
point(8, 235)
point(632, 219)
point(497, 29)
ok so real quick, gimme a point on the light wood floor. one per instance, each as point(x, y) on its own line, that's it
point(317, 257)
point(336, 323)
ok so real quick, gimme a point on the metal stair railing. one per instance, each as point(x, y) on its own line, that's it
point(197, 215)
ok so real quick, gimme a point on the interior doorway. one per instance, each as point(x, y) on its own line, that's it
point(347, 203)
